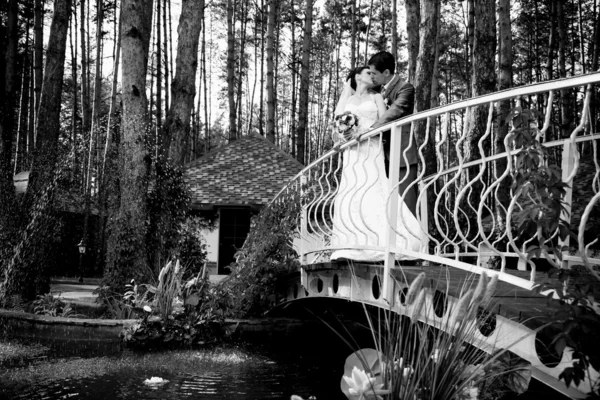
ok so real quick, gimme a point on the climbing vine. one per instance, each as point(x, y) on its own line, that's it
point(266, 258)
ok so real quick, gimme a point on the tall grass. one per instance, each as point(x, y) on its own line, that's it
point(438, 360)
point(168, 288)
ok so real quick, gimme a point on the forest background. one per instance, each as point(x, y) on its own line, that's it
point(107, 100)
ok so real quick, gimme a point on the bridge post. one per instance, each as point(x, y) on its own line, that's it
point(303, 222)
point(392, 212)
point(424, 209)
point(567, 167)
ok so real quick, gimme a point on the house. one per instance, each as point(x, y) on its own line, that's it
point(229, 185)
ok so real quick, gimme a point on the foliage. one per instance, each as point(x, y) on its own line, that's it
point(175, 313)
point(265, 258)
point(576, 321)
point(538, 179)
point(540, 182)
point(116, 306)
point(414, 360)
point(168, 209)
point(25, 271)
point(49, 305)
point(191, 246)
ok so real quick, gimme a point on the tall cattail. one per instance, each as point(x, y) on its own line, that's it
point(418, 306)
point(490, 290)
point(460, 310)
point(479, 291)
point(163, 272)
point(415, 288)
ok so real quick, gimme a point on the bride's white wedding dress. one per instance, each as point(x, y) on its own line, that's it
point(360, 205)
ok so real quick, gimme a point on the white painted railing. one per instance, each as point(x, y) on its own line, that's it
point(462, 221)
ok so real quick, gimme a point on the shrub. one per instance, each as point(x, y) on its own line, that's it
point(265, 259)
point(49, 305)
point(175, 313)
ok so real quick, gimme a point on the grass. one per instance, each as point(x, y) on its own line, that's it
point(16, 354)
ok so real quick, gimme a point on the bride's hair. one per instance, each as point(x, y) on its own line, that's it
point(353, 73)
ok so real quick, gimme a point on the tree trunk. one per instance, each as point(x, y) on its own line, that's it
point(183, 89)
point(7, 119)
point(581, 37)
point(231, 70)
point(158, 143)
point(74, 109)
point(483, 77)
point(241, 70)
point(424, 73)
point(206, 102)
point(470, 43)
point(94, 131)
point(505, 59)
point(25, 273)
point(304, 84)
point(368, 32)
point(353, 35)
point(111, 131)
point(294, 80)
point(166, 35)
point(261, 111)
point(413, 19)
point(394, 28)
point(85, 88)
point(21, 144)
point(38, 59)
point(127, 257)
point(551, 41)
point(565, 112)
point(271, 104)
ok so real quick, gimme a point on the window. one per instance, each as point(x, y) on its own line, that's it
point(234, 225)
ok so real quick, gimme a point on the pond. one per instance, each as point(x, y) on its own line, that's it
point(308, 361)
point(221, 373)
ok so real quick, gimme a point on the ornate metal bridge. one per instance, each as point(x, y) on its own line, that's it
point(471, 213)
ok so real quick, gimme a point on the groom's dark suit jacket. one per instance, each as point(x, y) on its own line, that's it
point(400, 96)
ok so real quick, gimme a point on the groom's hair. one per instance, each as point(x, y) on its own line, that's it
point(353, 73)
point(382, 61)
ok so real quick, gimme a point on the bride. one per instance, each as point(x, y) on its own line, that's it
point(360, 204)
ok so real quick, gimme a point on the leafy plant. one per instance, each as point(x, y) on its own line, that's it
point(116, 306)
point(539, 182)
point(175, 313)
point(49, 305)
point(265, 258)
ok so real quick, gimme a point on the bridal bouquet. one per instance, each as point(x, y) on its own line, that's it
point(345, 125)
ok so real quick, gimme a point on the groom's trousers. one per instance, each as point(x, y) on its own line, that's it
point(410, 168)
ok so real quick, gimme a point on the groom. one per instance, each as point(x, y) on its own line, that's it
point(399, 98)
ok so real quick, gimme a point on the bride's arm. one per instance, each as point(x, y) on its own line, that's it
point(381, 109)
point(347, 91)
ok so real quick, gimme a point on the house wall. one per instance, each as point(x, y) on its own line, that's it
point(211, 236)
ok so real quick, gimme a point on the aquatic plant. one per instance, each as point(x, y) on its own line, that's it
point(175, 313)
point(430, 359)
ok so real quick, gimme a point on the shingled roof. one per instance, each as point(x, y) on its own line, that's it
point(247, 171)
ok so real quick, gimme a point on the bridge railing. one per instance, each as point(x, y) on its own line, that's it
point(473, 195)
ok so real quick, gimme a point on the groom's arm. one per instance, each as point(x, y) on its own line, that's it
point(401, 107)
